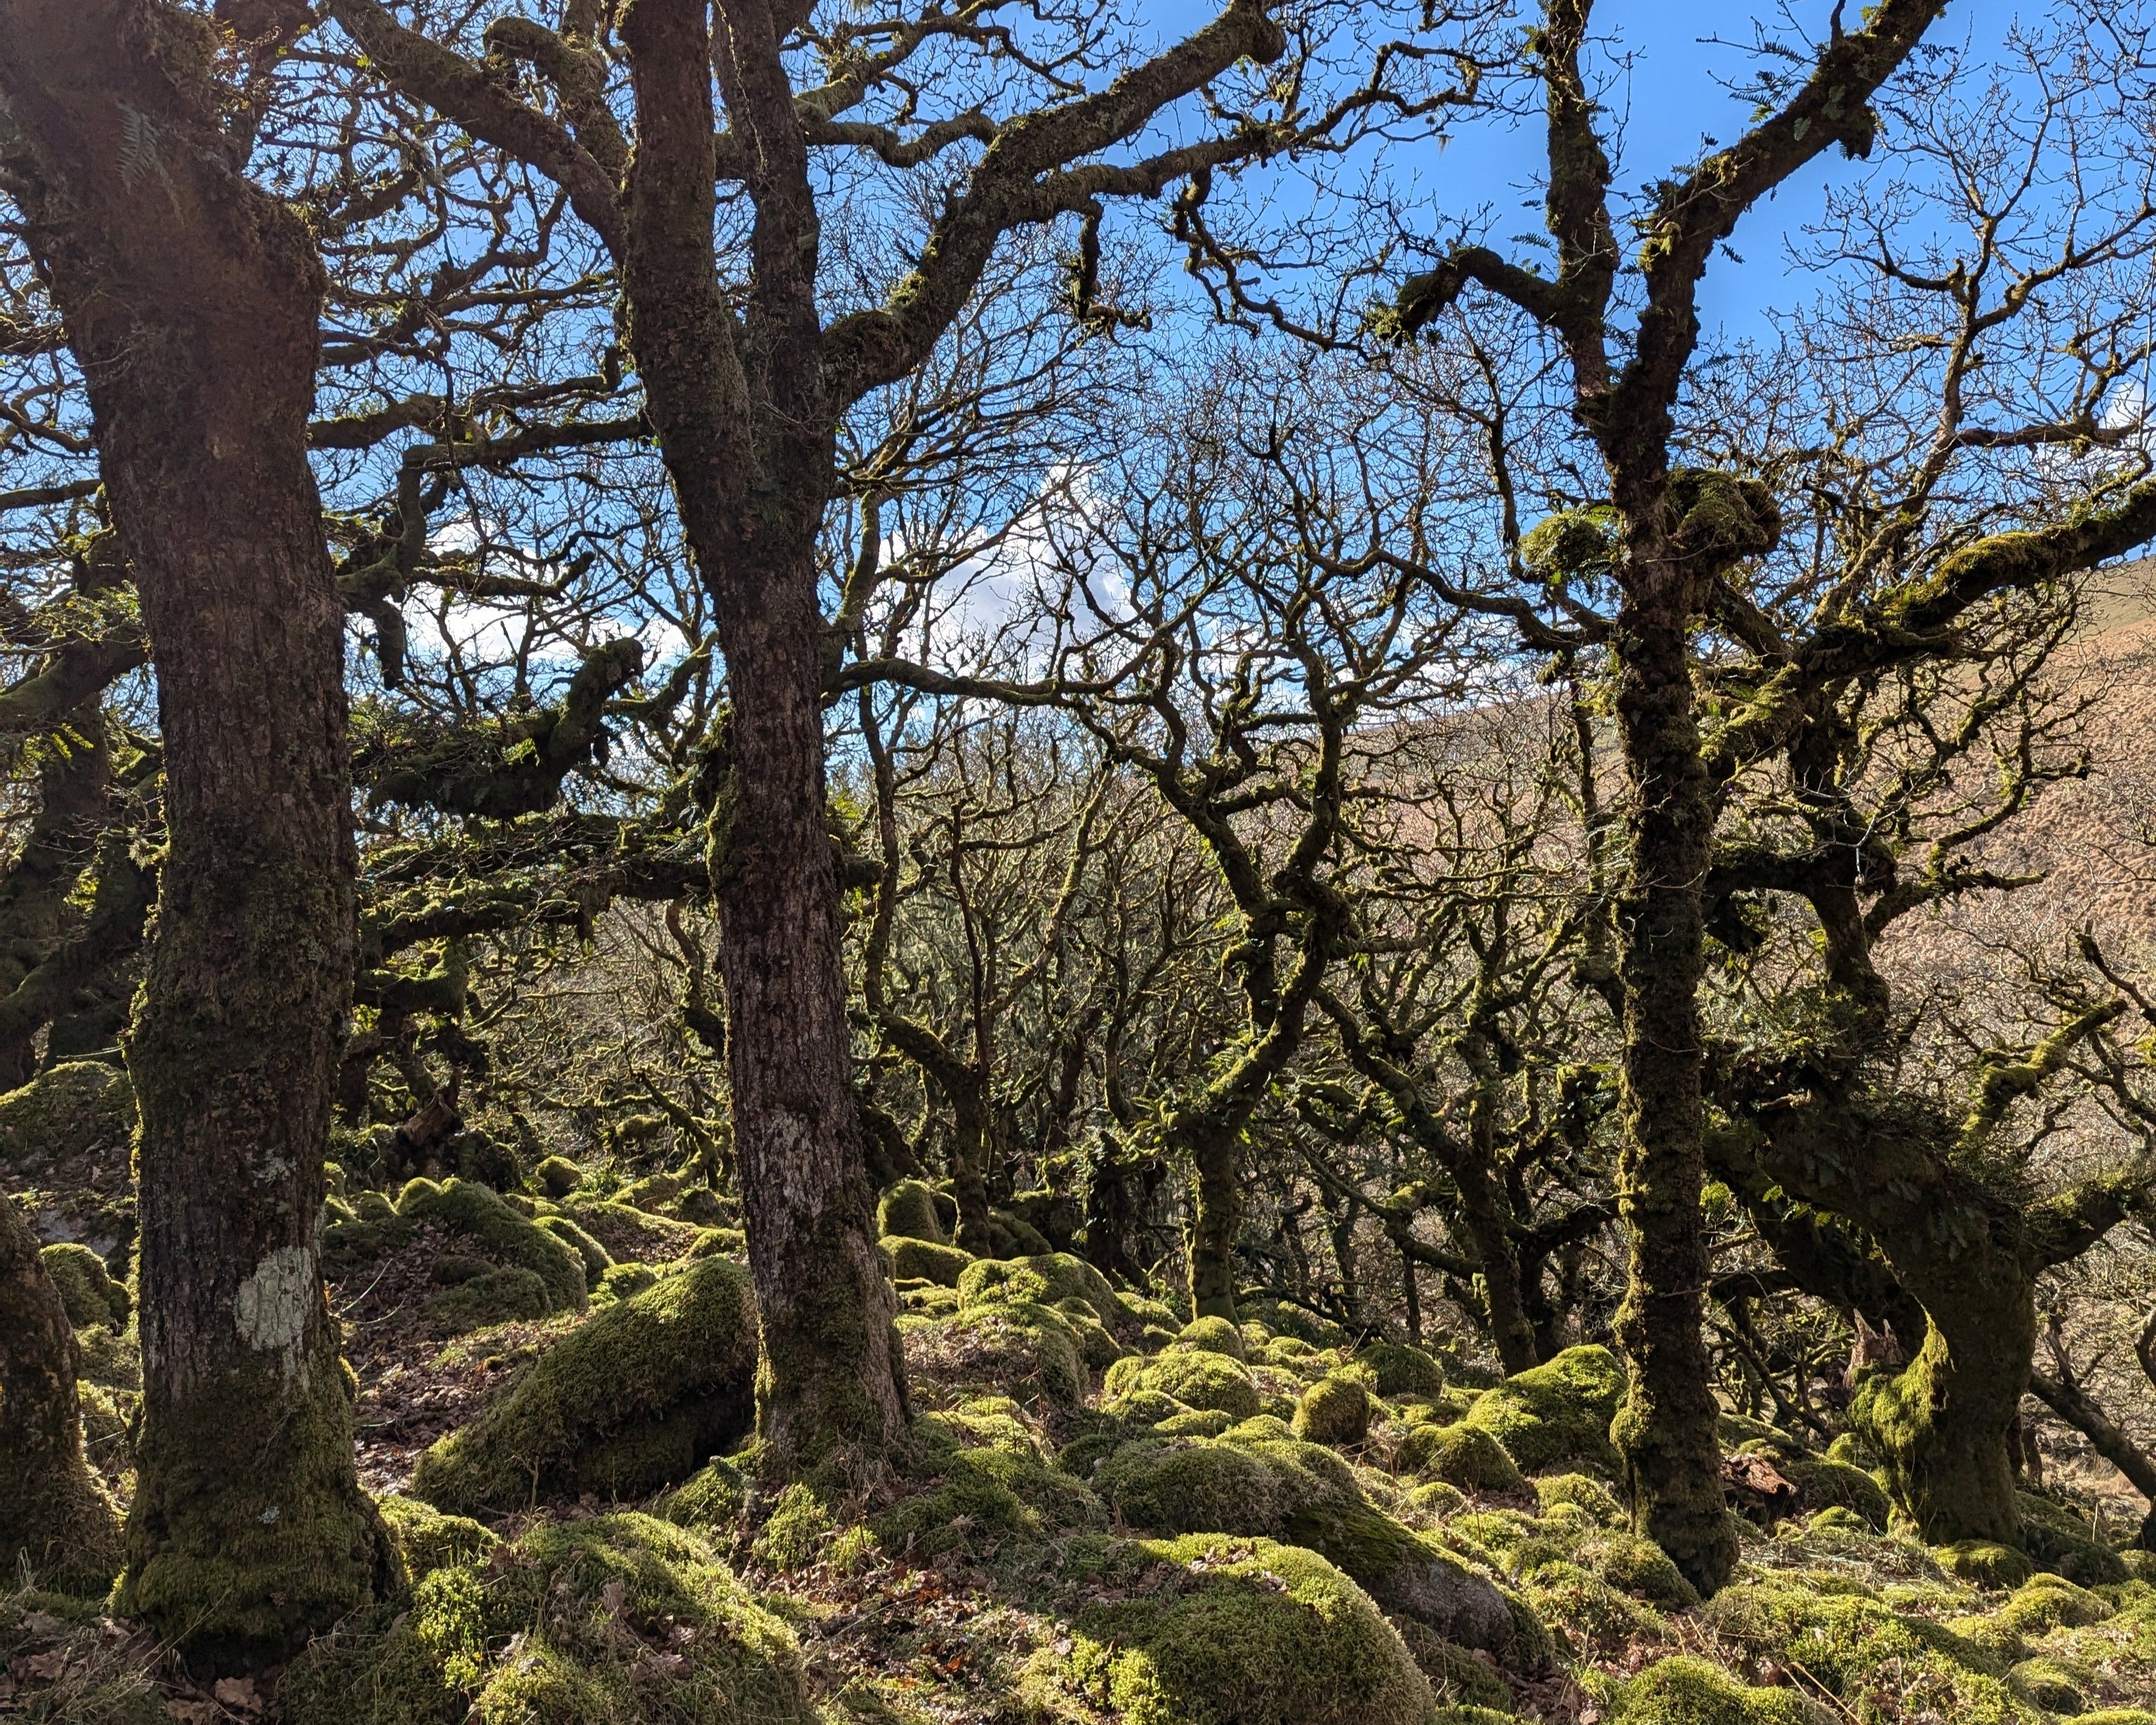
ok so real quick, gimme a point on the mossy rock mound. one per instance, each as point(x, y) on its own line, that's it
point(1306, 1495)
point(1046, 1279)
point(2059, 1541)
point(1283, 1319)
point(478, 1224)
point(1011, 1348)
point(494, 1296)
point(630, 1234)
point(1399, 1369)
point(1459, 1455)
point(1984, 1562)
point(1334, 1410)
point(637, 1398)
point(427, 1540)
point(992, 1486)
point(65, 1141)
point(1244, 1632)
point(1213, 1335)
point(1684, 1690)
point(86, 1286)
point(709, 1499)
point(598, 1260)
point(1196, 1378)
point(1556, 1415)
point(1824, 1484)
point(908, 1210)
point(1876, 1661)
point(623, 1281)
point(617, 1620)
point(557, 1177)
point(906, 1258)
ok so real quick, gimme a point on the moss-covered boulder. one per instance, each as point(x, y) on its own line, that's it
point(1306, 1495)
point(427, 1540)
point(598, 1260)
point(1984, 1562)
point(710, 1500)
point(1334, 1410)
point(557, 1177)
point(478, 1223)
point(906, 1259)
point(494, 1296)
point(1556, 1415)
point(2059, 1540)
point(638, 1398)
point(1460, 1455)
point(1196, 1378)
point(1213, 1335)
point(1684, 1690)
point(1876, 1661)
point(1046, 1279)
point(1010, 1348)
point(1823, 1484)
point(989, 1484)
point(1399, 1369)
point(65, 1138)
point(630, 1234)
point(1246, 1632)
point(908, 1211)
point(86, 1286)
point(617, 1620)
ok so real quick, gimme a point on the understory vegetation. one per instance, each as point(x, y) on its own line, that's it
point(937, 867)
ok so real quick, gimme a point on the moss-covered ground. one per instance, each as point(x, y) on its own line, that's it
point(1109, 1516)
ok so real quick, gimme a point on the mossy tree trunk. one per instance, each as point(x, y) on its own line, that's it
point(190, 300)
point(1970, 1257)
point(53, 1516)
point(1666, 1431)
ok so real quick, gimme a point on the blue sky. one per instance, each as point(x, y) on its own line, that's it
point(1668, 100)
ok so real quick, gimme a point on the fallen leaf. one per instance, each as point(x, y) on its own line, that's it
point(46, 1667)
point(612, 1596)
point(238, 1692)
point(45, 1625)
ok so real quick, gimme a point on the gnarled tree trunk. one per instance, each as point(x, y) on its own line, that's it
point(191, 300)
point(54, 1514)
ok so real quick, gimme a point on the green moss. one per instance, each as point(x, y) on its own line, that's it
point(598, 1260)
point(1213, 1335)
point(1097, 1343)
point(496, 1296)
point(909, 1260)
point(1590, 1496)
point(248, 1532)
point(1245, 1633)
point(1880, 1664)
point(616, 1620)
point(2050, 1684)
point(86, 1287)
point(1463, 1456)
point(2061, 1542)
point(988, 1486)
point(427, 1540)
point(1046, 1279)
point(477, 1214)
point(630, 1234)
point(1306, 1495)
point(1197, 1380)
point(1557, 1413)
point(1686, 1691)
point(558, 1177)
point(1984, 1562)
point(623, 1281)
point(1639, 1567)
point(1587, 1614)
point(65, 1138)
point(1825, 1483)
point(1015, 1348)
point(908, 1210)
point(796, 1530)
point(1334, 1410)
point(709, 1499)
point(1399, 1369)
point(637, 1398)
point(111, 1359)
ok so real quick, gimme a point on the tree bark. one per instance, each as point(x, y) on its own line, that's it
point(191, 300)
point(54, 1517)
point(749, 450)
point(1665, 1430)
